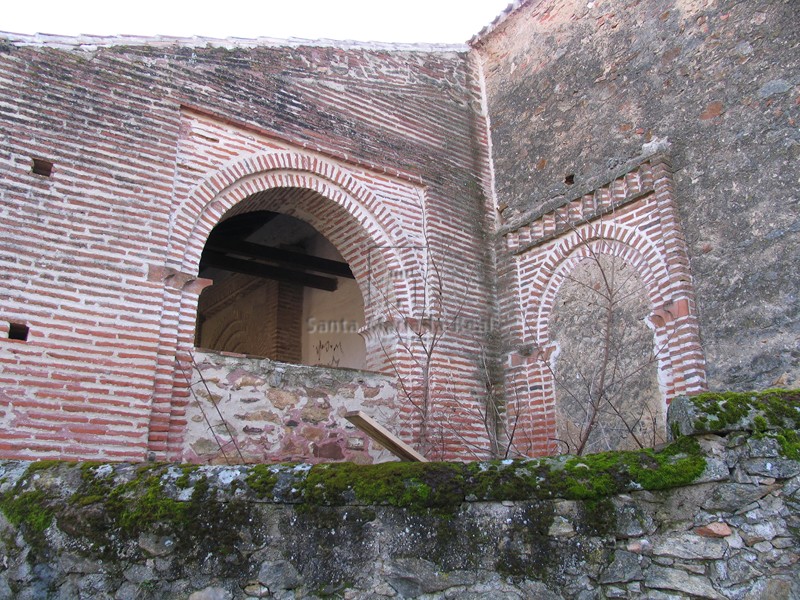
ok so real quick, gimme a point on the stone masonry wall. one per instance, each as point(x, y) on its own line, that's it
point(247, 409)
point(576, 89)
point(715, 515)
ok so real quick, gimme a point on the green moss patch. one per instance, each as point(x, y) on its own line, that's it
point(442, 487)
point(752, 411)
point(29, 509)
point(771, 413)
point(590, 477)
point(112, 505)
point(416, 486)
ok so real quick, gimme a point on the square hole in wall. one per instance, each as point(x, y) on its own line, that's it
point(18, 331)
point(42, 167)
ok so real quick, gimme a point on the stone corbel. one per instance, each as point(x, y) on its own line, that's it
point(177, 280)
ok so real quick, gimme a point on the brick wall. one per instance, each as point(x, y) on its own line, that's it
point(250, 315)
point(663, 134)
point(151, 143)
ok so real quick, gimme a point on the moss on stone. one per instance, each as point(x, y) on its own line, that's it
point(774, 409)
point(416, 486)
point(598, 517)
point(591, 476)
point(788, 442)
point(262, 480)
point(144, 503)
point(31, 509)
point(43, 465)
point(442, 487)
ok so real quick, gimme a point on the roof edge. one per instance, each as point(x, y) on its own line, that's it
point(484, 33)
point(90, 43)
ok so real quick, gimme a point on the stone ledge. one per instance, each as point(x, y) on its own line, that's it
point(725, 412)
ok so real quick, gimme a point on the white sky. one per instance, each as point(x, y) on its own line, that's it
point(417, 21)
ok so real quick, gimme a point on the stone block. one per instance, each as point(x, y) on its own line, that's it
point(279, 575)
point(662, 578)
point(690, 546)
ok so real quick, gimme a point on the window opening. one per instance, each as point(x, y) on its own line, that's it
point(281, 290)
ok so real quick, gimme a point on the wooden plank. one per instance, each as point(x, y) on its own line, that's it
point(384, 437)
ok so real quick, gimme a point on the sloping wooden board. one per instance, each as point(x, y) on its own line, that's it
point(384, 437)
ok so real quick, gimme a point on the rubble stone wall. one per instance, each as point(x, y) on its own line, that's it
point(716, 515)
point(254, 410)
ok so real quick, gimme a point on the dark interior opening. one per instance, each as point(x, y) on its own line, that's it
point(281, 291)
point(18, 331)
point(42, 167)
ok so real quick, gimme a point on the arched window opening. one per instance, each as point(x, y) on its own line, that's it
point(281, 290)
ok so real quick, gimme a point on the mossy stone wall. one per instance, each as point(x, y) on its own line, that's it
point(712, 515)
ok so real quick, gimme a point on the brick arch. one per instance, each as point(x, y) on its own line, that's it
point(621, 242)
point(668, 289)
point(223, 190)
point(346, 210)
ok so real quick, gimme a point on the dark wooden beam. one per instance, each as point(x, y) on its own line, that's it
point(268, 254)
point(219, 260)
point(243, 225)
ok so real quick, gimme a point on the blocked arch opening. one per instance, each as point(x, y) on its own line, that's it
point(605, 359)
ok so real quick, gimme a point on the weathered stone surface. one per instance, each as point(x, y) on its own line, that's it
point(156, 545)
point(731, 497)
point(561, 527)
point(575, 90)
point(763, 448)
point(634, 519)
point(691, 546)
point(412, 577)
point(304, 419)
point(705, 540)
point(714, 530)
point(740, 568)
point(139, 573)
point(681, 581)
point(716, 470)
point(625, 568)
point(754, 532)
point(279, 575)
point(780, 468)
point(211, 593)
point(775, 588)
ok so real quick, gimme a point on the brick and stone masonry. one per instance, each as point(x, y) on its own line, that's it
point(666, 132)
point(150, 146)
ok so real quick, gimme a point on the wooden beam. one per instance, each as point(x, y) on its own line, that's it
point(269, 254)
point(384, 437)
point(241, 226)
point(246, 267)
